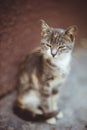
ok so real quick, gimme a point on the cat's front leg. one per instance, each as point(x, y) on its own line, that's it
point(49, 109)
point(55, 98)
point(46, 93)
point(48, 100)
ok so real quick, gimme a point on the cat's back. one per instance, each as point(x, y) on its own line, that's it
point(30, 71)
point(32, 61)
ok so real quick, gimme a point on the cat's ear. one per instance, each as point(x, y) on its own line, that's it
point(44, 25)
point(45, 28)
point(72, 32)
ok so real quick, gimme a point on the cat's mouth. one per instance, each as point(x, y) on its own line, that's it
point(53, 55)
point(56, 55)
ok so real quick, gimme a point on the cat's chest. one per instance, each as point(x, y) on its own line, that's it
point(62, 63)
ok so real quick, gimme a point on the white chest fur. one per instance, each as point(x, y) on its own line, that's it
point(63, 62)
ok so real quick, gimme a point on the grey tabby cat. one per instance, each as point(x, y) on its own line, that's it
point(45, 70)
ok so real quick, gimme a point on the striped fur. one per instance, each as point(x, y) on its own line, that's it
point(45, 69)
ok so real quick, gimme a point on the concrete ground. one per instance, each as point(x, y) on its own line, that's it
point(20, 33)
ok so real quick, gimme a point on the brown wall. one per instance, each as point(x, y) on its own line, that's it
point(20, 30)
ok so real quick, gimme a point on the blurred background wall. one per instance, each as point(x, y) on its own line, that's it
point(20, 30)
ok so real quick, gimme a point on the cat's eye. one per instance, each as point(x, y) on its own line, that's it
point(62, 47)
point(49, 45)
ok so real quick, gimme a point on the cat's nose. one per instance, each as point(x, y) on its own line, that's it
point(53, 52)
point(53, 55)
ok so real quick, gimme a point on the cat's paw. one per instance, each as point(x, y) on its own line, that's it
point(38, 112)
point(59, 115)
point(51, 121)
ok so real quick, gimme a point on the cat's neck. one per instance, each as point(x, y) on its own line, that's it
point(62, 61)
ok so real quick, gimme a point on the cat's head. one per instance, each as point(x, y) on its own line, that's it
point(55, 41)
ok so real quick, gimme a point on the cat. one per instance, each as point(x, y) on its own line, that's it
point(45, 70)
